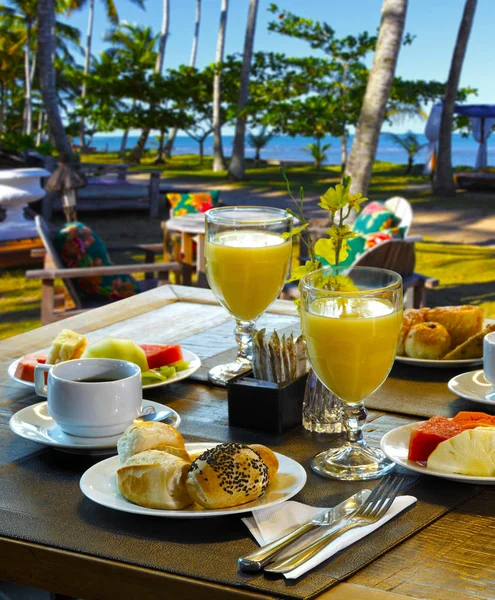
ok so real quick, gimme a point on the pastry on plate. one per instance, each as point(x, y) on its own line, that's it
point(471, 348)
point(412, 316)
point(150, 435)
point(462, 322)
point(427, 341)
point(230, 474)
point(155, 479)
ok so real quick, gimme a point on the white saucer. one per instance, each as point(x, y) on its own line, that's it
point(35, 424)
point(99, 484)
point(473, 386)
point(193, 360)
point(395, 445)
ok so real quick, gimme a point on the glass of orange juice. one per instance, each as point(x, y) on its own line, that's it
point(247, 262)
point(351, 336)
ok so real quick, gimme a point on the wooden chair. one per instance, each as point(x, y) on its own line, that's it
point(53, 306)
point(399, 256)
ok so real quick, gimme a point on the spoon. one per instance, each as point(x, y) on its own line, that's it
point(153, 415)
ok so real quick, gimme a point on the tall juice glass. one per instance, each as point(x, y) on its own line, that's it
point(351, 336)
point(247, 263)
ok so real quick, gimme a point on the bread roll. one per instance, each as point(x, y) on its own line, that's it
point(148, 435)
point(227, 475)
point(462, 322)
point(471, 348)
point(427, 340)
point(412, 316)
point(268, 457)
point(155, 479)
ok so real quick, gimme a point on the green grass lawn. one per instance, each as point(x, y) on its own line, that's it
point(466, 273)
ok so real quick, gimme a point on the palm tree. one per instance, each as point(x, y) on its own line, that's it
point(194, 51)
point(46, 51)
point(236, 167)
point(376, 96)
point(113, 17)
point(218, 158)
point(135, 46)
point(443, 181)
point(411, 145)
point(317, 151)
point(137, 151)
point(259, 140)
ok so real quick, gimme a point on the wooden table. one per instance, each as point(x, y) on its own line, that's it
point(191, 228)
point(453, 557)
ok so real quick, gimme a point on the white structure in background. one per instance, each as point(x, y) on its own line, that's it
point(18, 187)
point(482, 118)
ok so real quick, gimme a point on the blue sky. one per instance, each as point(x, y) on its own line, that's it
point(433, 22)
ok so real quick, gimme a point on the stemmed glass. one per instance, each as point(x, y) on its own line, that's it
point(351, 336)
point(247, 263)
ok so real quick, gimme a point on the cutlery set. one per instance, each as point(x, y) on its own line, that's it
point(361, 509)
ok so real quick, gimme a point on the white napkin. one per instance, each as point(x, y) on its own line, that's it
point(272, 523)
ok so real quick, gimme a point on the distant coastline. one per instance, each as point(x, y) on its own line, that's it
point(287, 148)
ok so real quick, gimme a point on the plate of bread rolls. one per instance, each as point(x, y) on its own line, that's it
point(157, 473)
point(443, 336)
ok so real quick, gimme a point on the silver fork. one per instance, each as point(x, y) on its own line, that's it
point(371, 511)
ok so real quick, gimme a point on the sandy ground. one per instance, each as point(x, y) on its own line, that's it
point(463, 224)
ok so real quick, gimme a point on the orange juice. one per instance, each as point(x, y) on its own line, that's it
point(351, 343)
point(247, 269)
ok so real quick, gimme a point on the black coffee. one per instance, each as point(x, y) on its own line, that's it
point(97, 379)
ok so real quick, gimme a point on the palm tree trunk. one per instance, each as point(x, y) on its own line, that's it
point(201, 150)
point(218, 158)
point(3, 107)
point(28, 107)
point(236, 167)
point(377, 91)
point(39, 133)
point(137, 151)
point(343, 154)
point(123, 143)
point(443, 179)
point(194, 51)
point(46, 46)
point(89, 39)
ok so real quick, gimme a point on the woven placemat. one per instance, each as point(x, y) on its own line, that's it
point(41, 502)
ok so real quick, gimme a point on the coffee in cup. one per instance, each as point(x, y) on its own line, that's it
point(91, 397)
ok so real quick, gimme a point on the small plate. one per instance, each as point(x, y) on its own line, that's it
point(473, 386)
point(193, 360)
point(35, 424)
point(99, 483)
point(395, 444)
point(440, 364)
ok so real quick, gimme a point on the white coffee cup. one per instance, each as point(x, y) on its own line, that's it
point(489, 357)
point(91, 408)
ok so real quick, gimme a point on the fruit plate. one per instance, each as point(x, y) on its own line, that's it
point(193, 360)
point(99, 484)
point(395, 444)
point(465, 363)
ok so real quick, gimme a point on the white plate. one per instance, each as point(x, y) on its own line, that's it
point(473, 386)
point(35, 424)
point(440, 364)
point(193, 360)
point(99, 483)
point(395, 444)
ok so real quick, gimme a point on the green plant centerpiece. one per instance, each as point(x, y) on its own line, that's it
point(339, 202)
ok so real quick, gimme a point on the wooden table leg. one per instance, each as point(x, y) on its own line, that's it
point(187, 261)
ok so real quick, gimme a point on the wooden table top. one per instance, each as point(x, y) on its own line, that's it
point(454, 557)
point(193, 224)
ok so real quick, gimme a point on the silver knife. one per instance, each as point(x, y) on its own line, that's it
point(330, 518)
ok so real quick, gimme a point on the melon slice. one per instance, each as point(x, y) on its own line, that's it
point(472, 452)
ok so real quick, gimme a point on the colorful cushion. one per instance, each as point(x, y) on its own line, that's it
point(79, 246)
point(374, 217)
point(184, 204)
point(363, 242)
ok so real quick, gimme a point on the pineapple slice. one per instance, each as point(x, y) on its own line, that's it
point(66, 346)
point(471, 452)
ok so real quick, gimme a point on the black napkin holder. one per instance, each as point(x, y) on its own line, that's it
point(263, 405)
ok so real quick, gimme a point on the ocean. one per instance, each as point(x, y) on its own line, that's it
point(288, 148)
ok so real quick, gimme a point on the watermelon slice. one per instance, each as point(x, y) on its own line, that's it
point(426, 436)
point(25, 367)
point(159, 355)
